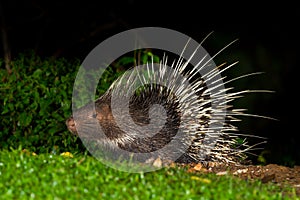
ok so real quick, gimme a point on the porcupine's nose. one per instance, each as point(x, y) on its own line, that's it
point(71, 125)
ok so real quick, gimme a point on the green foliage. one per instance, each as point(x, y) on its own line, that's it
point(36, 100)
point(47, 176)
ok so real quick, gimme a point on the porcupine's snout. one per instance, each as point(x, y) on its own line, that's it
point(71, 125)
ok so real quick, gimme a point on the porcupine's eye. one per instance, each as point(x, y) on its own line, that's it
point(94, 115)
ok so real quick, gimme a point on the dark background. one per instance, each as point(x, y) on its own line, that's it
point(269, 41)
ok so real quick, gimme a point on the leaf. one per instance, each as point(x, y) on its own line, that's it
point(126, 61)
point(202, 180)
point(37, 73)
point(67, 155)
point(25, 119)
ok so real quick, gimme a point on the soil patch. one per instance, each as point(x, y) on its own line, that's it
point(274, 173)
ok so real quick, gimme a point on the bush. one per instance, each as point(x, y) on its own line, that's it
point(36, 101)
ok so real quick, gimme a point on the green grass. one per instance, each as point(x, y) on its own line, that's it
point(47, 176)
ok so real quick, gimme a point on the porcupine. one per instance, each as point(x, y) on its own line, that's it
point(185, 110)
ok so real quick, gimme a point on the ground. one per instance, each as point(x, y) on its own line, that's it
point(277, 174)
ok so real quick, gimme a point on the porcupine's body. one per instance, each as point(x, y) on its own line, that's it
point(196, 108)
